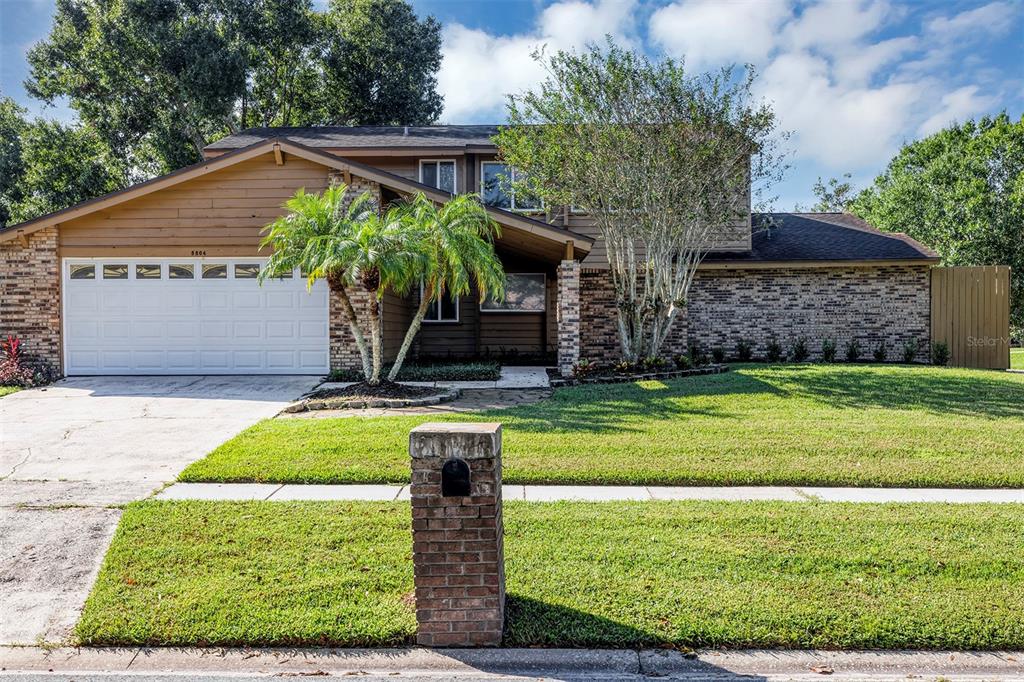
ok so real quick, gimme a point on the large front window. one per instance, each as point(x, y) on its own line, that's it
point(439, 174)
point(496, 188)
point(524, 293)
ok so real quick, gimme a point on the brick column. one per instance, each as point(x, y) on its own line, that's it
point(568, 316)
point(457, 544)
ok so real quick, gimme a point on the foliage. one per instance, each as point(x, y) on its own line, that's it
point(868, 425)
point(675, 574)
point(683, 361)
point(662, 160)
point(744, 350)
point(583, 369)
point(19, 369)
point(853, 350)
point(159, 80)
point(381, 63)
point(697, 354)
point(833, 197)
point(961, 192)
point(718, 354)
point(455, 245)
point(799, 351)
point(828, 350)
point(880, 353)
point(12, 127)
point(774, 352)
point(940, 353)
point(426, 370)
point(910, 350)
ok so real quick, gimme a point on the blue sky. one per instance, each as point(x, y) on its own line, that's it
point(851, 79)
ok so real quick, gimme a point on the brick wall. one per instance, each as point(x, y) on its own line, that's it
point(568, 316)
point(885, 304)
point(30, 294)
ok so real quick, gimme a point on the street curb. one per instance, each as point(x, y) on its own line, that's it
point(548, 662)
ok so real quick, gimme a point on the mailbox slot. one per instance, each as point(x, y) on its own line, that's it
point(455, 478)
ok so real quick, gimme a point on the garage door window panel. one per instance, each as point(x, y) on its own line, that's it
point(83, 272)
point(181, 271)
point(215, 271)
point(148, 271)
point(115, 271)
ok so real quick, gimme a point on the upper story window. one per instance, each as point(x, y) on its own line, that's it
point(438, 173)
point(495, 179)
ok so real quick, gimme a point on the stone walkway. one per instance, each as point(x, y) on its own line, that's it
point(511, 377)
point(552, 493)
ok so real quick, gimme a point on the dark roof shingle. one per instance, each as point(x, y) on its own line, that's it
point(822, 237)
point(367, 136)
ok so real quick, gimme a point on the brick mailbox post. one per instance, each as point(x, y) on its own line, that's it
point(458, 556)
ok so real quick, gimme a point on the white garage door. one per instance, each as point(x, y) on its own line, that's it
point(190, 316)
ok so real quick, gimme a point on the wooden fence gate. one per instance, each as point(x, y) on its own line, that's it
point(971, 314)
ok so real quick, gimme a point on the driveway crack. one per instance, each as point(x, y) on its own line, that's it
point(28, 453)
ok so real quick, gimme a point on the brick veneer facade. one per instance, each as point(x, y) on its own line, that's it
point(30, 294)
point(343, 351)
point(878, 304)
point(457, 541)
point(568, 316)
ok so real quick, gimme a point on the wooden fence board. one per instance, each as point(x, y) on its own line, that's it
point(971, 314)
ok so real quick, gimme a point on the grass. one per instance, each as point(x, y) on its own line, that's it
point(758, 424)
point(1017, 358)
point(767, 574)
point(7, 390)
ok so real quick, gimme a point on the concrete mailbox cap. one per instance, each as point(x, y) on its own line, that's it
point(455, 439)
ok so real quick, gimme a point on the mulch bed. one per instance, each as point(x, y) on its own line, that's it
point(622, 378)
point(362, 395)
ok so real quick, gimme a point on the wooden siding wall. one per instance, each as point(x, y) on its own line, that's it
point(219, 214)
point(396, 314)
point(971, 314)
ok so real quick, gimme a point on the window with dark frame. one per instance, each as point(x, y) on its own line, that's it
point(438, 173)
point(444, 310)
point(496, 188)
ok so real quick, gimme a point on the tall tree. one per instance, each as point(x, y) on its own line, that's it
point(12, 167)
point(381, 64)
point(833, 196)
point(662, 160)
point(62, 166)
point(960, 191)
point(160, 79)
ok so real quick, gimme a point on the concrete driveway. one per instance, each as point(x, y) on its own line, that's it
point(70, 451)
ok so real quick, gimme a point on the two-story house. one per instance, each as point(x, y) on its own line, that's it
point(161, 278)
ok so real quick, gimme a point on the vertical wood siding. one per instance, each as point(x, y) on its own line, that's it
point(971, 314)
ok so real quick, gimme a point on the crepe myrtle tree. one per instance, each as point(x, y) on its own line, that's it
point(664, 162)
point(348, 242)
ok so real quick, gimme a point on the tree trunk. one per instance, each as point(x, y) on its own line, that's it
point(410, 334)
point(353, 324)
point(375, 338)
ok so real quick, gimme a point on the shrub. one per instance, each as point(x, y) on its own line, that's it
point(744, 351)
point(583, 369)
point(853, 350)
point(880, 352)
point(910, 349)
point(470, 370)
point(799, 351)
point(774, 351)
point(654, 364)
point(683, 361)
point(626, 367)
point(697, 355)
point(828, 350)
point(17, 368)
point(940, 353)
point(718, 354)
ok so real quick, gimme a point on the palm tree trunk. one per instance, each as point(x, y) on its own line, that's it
point(410, 334)
point(375, 338)
point(353, 324)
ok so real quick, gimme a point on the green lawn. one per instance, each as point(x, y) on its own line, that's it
point(764, 574)
point(7, 390)
point(758, 424)
point(1017, 358)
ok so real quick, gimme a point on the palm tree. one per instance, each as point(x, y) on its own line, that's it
point(314, 236)
point(456, 242)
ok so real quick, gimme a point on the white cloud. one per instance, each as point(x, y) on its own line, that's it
point(711, 32)
point(994, 18)
point(860, 64)
point(832, 26)
point(479, 69)
point(840, 127)
point(959, 105)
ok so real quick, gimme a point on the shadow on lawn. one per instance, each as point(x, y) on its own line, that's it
point(603, 408)
point(978, 394)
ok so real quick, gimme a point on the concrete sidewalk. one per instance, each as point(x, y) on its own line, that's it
point(490, 664)
point(552, 493)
